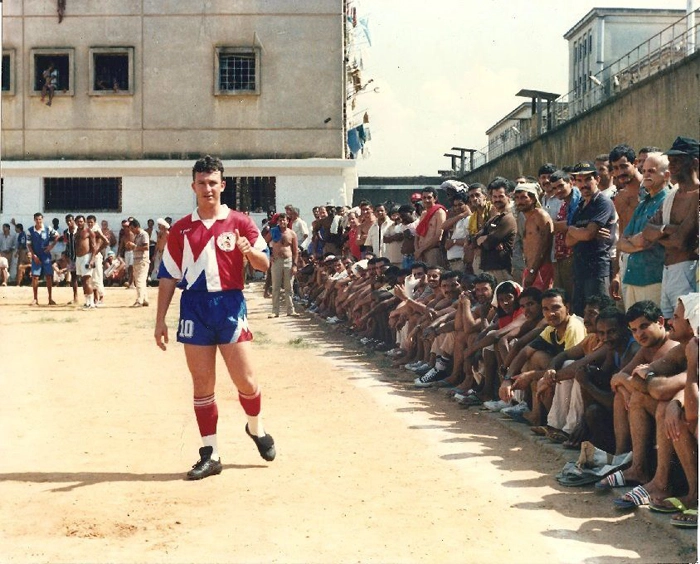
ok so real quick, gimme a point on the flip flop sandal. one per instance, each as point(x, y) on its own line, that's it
point(669, 505)
point(557, 436)
point(540, 430)
point(688, 519)
point(634, 498)
point(572, 481)
point(469, 401)
point(614, 480)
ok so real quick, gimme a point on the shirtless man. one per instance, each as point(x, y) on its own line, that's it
point(85, 252)
point(285, 250)
point(537, 243)
point(102, 243)
point(675, 225)
point(429, 229)
point(126, 251)
point(628, 180)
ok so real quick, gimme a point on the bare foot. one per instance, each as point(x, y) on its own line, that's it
point(34, 303)
point(48, 103)
point(51, 302)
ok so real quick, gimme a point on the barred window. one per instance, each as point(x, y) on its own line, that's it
point(250, 193)
point(112, 70)
point(61, 61)
point(237, 70)
point(82, 195)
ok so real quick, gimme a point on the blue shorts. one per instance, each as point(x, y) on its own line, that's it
point(213, 318)
point(44, 267)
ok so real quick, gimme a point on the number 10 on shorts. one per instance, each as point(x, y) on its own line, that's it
point(186, 329)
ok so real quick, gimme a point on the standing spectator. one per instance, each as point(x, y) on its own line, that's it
point(352, 236)
point(591, 253)
point(152, 238)
point(85, 257)
point(8, 246)
point(629, 187)
point(645, 261)
point(457, 228)
point(140, 248)
point(409, 223)
point(497, 236)
point(101, 245)
point(22, 255)
point(285, 251)
point(393, 236)
point(675, 225)
point(642, 154)
point(111, 237)
point(298, 225)
point(482, 211)
point(429, 229)
point(563, 254)
point(377, 231)
point(125, 250)
point(550, 202)
point(69, 235)
point(605, 183)
point(40, 242)
point(537, 242)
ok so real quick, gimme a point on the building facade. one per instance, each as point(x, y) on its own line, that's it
point(144, 87)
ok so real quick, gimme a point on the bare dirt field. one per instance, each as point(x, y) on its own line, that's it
point(97, 431)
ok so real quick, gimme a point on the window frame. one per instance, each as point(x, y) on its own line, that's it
point(74, 207)
point(12, 74)
point(229, 50)
point(47, 52)
point(93, 51)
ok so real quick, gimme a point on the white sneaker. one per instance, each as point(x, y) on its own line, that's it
point(497, 405)
point(332, 320)
point(420, 367)
point(516, 409)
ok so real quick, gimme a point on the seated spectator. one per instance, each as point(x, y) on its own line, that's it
point(115, 272)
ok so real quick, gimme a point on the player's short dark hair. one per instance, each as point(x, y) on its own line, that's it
point(429, 190)
point(421, 265)
point(612, 313)
point(501, 182)
point(91, 217)
point(407, 208)
point(477, 186)
point(208, 164)
point(556, 292)
point(645, 308)
point(558, 175)
point(38, 214)
point(531, 292)
point(485, 278)
point(134, 223)
point(460, 197)
point(449, 275)
point(603, 158)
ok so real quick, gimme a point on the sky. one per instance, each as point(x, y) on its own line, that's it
point(447, 70)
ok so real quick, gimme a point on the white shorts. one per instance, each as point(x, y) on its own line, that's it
point(678, 280)
point(82, 265)
point(129, 258)
point(3, 263)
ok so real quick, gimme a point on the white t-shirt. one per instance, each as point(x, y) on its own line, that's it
point(393, 249)
point(460, 232)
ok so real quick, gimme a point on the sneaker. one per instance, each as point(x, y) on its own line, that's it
point(100, 304)
point(137, 304)
point(420, 366)
point(497, 405)
point(205, 466)
point(423, 369)
point(518, 409)
point(428, 379)
point(266, 445)
point(332, 320)
point(87, 306)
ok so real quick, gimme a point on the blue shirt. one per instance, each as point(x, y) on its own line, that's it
point(592, 258)
point(41, 239)
point(645, 267)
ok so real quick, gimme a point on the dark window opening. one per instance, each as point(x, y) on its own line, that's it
point(61, 65)
point(250, 193)
point(111, 72)
point(6, 73)
point(83, 195)
point(2, 193)
point(237, 71)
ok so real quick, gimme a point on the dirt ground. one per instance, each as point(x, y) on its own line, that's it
point(97, 432)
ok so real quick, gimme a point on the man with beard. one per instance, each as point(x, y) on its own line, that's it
point(591, 252)
point(563, 254)
point(498, 235)
point(429, 229)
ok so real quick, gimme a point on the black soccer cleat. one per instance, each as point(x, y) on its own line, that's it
point(205, 466)
point(266, 445)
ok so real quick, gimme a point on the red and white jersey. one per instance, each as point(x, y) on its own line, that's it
point(202, 254)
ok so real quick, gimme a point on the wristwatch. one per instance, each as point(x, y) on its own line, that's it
point(531, 270)
point(650, 374)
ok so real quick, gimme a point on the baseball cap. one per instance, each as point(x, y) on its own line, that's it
point(416, 197)
point(684, 146)
point(453, 186)
point(585, 167)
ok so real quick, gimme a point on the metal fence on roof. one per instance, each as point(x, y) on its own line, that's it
point(666, 48)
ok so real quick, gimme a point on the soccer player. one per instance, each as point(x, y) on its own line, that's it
point(204, 256)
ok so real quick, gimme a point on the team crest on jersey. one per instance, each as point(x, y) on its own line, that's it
point(226, 241)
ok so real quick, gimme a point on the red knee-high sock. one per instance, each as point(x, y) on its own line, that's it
point(207, 414)
point(251, 406)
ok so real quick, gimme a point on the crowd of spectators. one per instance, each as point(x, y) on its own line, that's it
point(83, 254)
point(566, 300)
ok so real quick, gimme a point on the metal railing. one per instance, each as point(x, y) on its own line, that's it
point(669, 46)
